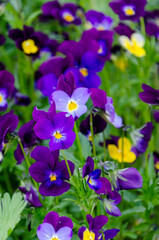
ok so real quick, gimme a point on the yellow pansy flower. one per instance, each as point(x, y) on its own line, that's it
point(134, 45)
point(123, 150)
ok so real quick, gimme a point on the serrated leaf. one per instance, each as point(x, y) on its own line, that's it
point(10, 213)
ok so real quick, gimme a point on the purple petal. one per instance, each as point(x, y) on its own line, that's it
point(44, 129)
point(39, 171)
point(53, 189)
point(99, 222)
point(99, 98)
point(45, 231)
point(47, 84)
point(52, 218)
point(111, 233)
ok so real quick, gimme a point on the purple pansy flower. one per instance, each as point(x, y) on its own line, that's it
point(28, 139)
point(66, 14)
point(109, 198)
point(141, 138)
point(98, 20)
point(2, 39)
point(31, 196)
point(55, 227)
point(6, 88)
point(128, 9)
point(8, 123)
point(52, 174)
point(152, 29)
point(95, 225)
point(127, 178)
point(109, 234)
point(74, 104)
point(28, 41)
point(99, 124)
point(123, 29)
point(150, 95)
point(156, 160)
point(56, 127)
point(100, 100)
point(93, 180)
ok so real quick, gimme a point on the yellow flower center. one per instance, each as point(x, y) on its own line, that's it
point(68, 17)
point(87, 235)
point(54, 238)
point(157, 165)
point(90, 137)
point(1, 98)
point(129, 11)
point(57, 135)
point(72, 106)
point(100, 27)
point(29, 46)
point(90, 181)
point(100, 50)
point(84, 71)
point(52, 178)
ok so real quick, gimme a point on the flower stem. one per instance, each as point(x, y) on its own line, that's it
point(78, 141)
point(92, 134)
point(68, 168)
point(26, 158)
point(142, 23)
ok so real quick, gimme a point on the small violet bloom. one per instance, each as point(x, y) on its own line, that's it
point(74, 105)
point(128, 9)
point(54, 126)
point(31, 196)
point(141, 138)
point(100, 100)
point(93, 177)
point(8, 123)
point(95, 225)
point(98, 20)
point(6, 88)
point(123, 29)
point(52, 174)
point(2, 39)
point(66, 14)
point(149, 95)
point(55, 228)
point(134, 44)
point(122, 152)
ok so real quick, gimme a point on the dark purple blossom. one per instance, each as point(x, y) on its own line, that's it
point(95, 225)
point(28, 139)
point(8, 123)
point(66, 14)
point(98, 20)
point(141, 138)
point(123, 29)
point(6, 88)
point(156, 116)
point(152, 29)
point(56, 127)
point(31, 196)
point(66, 83)
point(55, 227)
point(93, 176)
point(105, 103)
point(28, 41)
point(109, 234)
point(149, 95)
point(51, 173)
point(2, 39)
point(99, 124)
point(128, 9)
point(156, 160)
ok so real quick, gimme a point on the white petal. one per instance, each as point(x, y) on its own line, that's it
point(138, 39)
point(64, 233)
point(45, 231)
point(124, 41)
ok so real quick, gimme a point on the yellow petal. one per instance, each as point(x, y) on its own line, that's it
point(126, 144)
point(139, 52)
point(113, 151)
point(129, 157)
point(138, 39)
point(124, 41)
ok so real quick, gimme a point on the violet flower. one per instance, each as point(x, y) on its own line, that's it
point(98, 20)
point(75, 104)
point(28, 139)
point(55, 227)
point(149, 95)
point(66, 14)
point(95, 225)
point(6, 88)
point(31, 196)
point(52, 174)
point(56, 127)
point(8, 123)
point(156, 116)
point(152, 29)
point(100, 100)
point(93, 176)
point(28, 41)
point(2, 39)
point(123, 30)
point(109, 234)
point(141, 138)
point(128, 9)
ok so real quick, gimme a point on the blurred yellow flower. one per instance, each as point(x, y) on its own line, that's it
point(134, 45)
point(123, 150)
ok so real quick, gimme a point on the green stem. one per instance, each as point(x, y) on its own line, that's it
point(68, 168)
point(142, 23)
point(78, 142)
point(104, 147)
point(26, 158)
point(92, 134)
point(103, 236)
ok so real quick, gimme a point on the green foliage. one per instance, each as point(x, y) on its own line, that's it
point(10, 213)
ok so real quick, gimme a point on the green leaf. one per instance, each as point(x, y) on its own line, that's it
point(10, 213)
point(32, 17)
point(85, 145)
point(135, 210)
point(151, 169)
